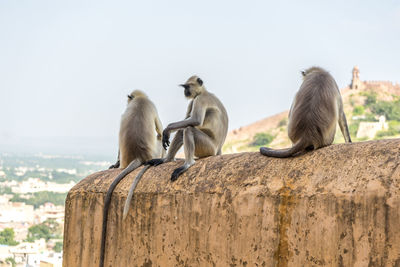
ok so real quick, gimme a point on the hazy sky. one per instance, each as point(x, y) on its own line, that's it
point(67, 66)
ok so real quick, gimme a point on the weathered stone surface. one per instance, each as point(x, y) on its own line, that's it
point(337, 206)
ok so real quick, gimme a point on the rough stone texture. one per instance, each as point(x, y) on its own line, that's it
point(338, 206)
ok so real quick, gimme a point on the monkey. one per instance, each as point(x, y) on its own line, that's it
point(203, 131)
point(313, 116)
point(139, 141)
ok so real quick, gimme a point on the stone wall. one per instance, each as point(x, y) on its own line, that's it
point(337, 206)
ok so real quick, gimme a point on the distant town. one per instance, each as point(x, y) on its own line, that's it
point(33, 189)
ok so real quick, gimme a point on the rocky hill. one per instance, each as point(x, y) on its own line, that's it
point(372, 109)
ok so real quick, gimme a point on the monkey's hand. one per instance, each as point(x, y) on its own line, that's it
point(155, 162)
point(165, 138)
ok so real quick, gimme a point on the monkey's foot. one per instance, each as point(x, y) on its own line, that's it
point(115, 166)
point(155, 162)
point(177, 172)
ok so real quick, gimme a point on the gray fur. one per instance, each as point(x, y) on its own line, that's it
point(315, 111)
point(202, 132)
point(139, 141)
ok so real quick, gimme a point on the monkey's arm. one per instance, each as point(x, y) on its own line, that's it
point(196, 118)
point(343, 123)
point(158, 128)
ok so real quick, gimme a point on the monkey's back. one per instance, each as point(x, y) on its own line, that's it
point(137, 137)
point(314, 112)
point(216, 120)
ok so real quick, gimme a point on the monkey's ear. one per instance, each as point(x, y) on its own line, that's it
point(200, 81)
point(130, 97)
point(303, 72)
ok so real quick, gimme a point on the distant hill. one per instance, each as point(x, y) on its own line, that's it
point(372, 109)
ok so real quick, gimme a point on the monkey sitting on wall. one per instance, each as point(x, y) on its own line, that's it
point(202, 133)
point(139, 142)
point(313, 116)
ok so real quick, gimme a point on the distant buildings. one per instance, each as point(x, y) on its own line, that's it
point(369, 129)
point(49, 211)
point(30, 254)
point(383, 86)
point(15, 212)
point(20, 217)
point(33, 185)
point(22, 177)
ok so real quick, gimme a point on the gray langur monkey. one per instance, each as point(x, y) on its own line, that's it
point(139, 142)
point(313, 116)
point(202, 133)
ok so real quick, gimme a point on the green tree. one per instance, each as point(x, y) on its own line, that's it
point(394, 129)
point(262, 139)
point(12, 261)
point(283, 122)
point(39, 198)
point(58, 247)
point(353, 128)
point(391, 110)
point(7, 237)
point(369, 117)
point(358, 110)
point(395, 125)
point(5, 190)
point(47, 230)
point(370, 98)
point(37, 232)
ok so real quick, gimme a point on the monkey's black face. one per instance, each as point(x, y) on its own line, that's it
point(187, 91)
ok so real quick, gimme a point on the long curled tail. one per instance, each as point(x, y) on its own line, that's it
point(132, 166)
point(133, 186)
point(282, 153)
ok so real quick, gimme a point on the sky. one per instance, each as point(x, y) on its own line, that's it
point(67, 66)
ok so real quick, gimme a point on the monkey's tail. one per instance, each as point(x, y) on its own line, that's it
point(133, 186)
point(133, 165)
point(282, 153)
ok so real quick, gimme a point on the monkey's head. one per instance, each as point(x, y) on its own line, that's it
point(136, 94)
point(193, 87)
point(310, 70)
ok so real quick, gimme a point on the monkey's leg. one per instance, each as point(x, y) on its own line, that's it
point(176, 144)
point(343, 126)
point(195, 143)
point(133, 165)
